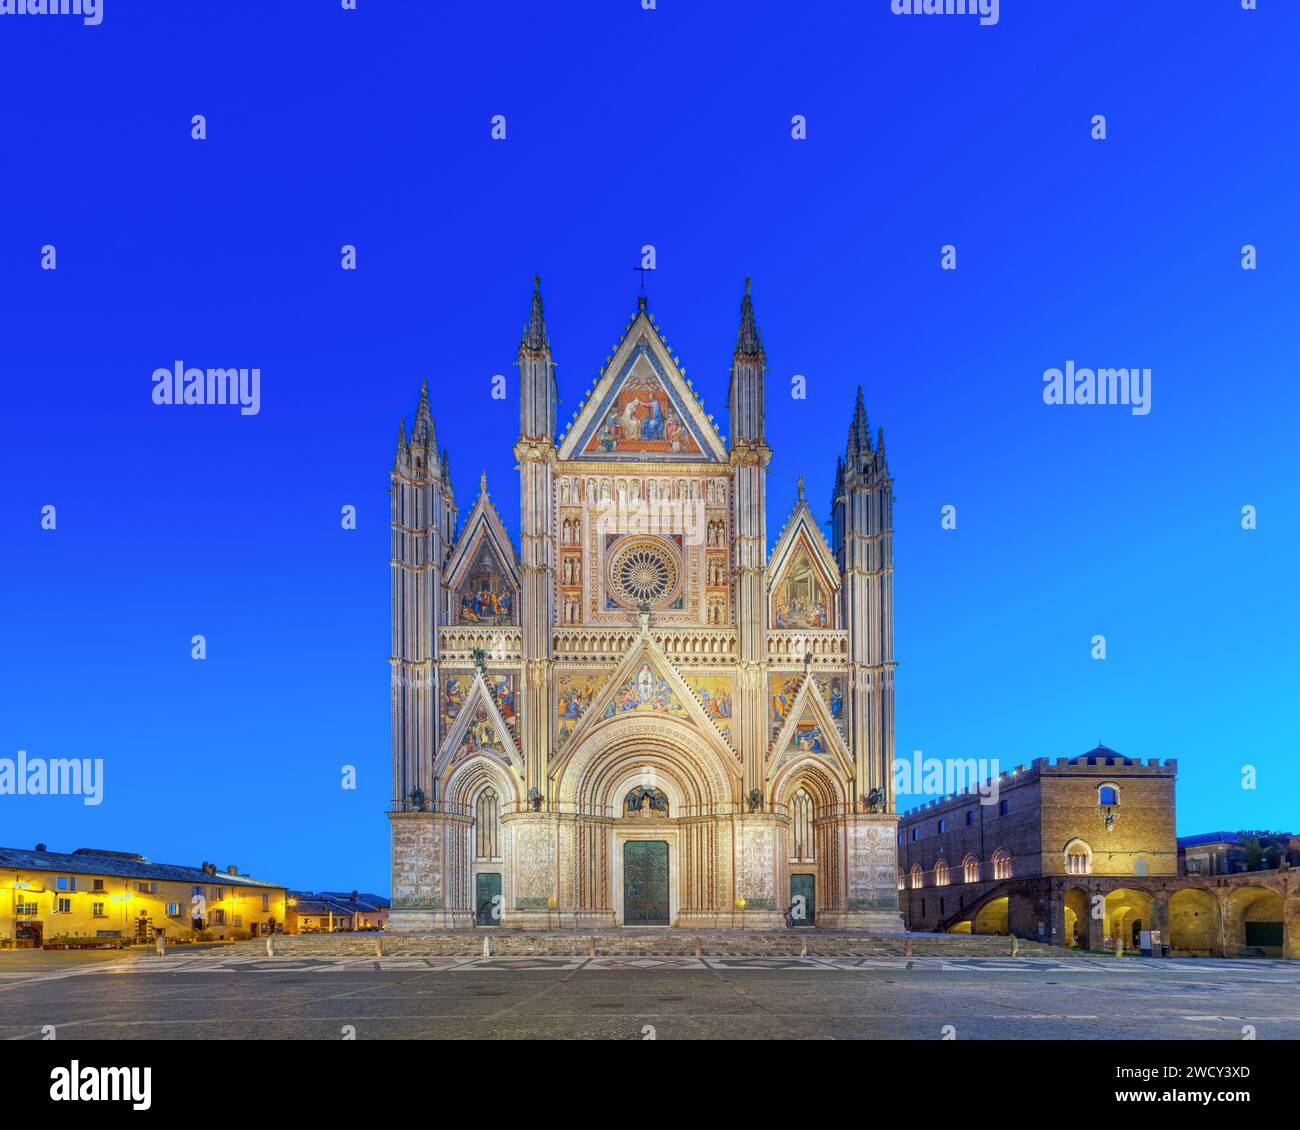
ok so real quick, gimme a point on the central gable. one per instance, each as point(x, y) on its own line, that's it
point(643, 410)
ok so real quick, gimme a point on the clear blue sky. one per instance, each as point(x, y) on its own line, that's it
point(627, 127)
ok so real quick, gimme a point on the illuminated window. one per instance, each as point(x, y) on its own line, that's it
point(486, 826)
point(917, 876)
point(970, 867)
point(1001, 864)
point(64, 906)
point(173, 909)
point(1078, 858)
point(801, 819)
point(97, 909)
point(941, 874)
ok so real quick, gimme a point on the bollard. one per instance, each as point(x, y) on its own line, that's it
point(270, 947)
point(1119, 947)
point(803, 948)
point(161, 946)
point(487, 945)
point(1015, 946)
point(907, 949)
point(379, 947)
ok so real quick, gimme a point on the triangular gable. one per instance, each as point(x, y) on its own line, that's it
point(645, 683)
point(481, 571)
point(805, 577)
point(809, 730)
point(643, 409)
point(479, 728)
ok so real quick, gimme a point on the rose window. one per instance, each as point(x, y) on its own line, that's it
point(644, 572)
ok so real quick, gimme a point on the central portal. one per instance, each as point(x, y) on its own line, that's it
point(645, 883)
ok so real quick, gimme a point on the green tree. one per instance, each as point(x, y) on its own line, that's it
point(1260, 850)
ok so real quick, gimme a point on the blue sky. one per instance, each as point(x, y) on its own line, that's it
point(627, 127)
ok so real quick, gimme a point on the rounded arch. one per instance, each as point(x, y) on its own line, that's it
point(1254, 922)
point(1077, 910)
point(1003, 867)
point(631, 751)
point(970, 868)
point(1194, 923)
point(1077, 857)
point(1108, 794)
point(1128, 912)
point(941, 872)
point(918, 876)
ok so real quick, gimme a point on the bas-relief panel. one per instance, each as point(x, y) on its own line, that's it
point(417, 870)
point(873, 861)
point(757, 847)
point(715, 695)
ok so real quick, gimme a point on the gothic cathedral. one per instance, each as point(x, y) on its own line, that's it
point(638, 715)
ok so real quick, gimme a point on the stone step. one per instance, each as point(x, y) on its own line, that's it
point(622, 943)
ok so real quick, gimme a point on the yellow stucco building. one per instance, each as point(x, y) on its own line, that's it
point(91, 895)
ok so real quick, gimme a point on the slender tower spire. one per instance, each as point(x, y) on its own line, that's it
point(745, 394)
point(749, 458)
point(535, 453)
point(537, 391)
point(863, 541)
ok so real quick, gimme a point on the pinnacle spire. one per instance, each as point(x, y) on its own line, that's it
point(422, 431)
point(535, 334)
point(401, 440)
point(748, 341)
point(482, 483)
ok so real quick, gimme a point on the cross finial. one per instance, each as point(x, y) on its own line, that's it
point(801, 490)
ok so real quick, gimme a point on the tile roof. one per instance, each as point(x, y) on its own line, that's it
point(121, 864)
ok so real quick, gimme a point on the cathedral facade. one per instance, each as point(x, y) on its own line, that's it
point(641, 713)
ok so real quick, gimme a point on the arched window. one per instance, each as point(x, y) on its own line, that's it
point(801, 821)
point(1001, 864)
point(486, 826)
point(916, 875)
point(1107, 796)
point(970, 867)
point(941, 873)
point(902, 880)
point(1078, 858)
point(1141, 867)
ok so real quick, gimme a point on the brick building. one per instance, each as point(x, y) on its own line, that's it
point(1083, 852)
